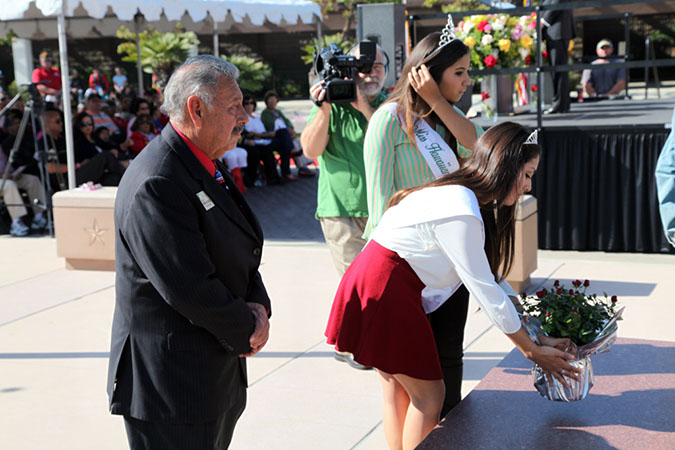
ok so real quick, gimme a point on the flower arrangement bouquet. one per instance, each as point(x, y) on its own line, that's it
point(589, 321)
point(499, 40)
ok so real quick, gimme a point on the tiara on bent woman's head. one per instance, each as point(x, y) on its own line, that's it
point(533, 138)
point(447, 36)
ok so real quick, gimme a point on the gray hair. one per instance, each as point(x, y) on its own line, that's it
point(198, 75)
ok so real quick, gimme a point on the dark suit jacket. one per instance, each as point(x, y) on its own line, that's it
point(187, 263)
point(561, 22)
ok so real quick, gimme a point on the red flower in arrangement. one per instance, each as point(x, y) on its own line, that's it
point(576, 283)
point(490, 61)
point(587, 283)
point(523, 295)
point(573, 314)
point(481, 25)
point(484, 96)
point(534, 88)
point(528, 61)
point(545, 54)
point(556, 283)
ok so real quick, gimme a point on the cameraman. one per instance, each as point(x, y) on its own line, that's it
point(335, 135)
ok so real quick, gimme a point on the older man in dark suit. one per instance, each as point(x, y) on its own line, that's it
point(558, 30)
point(191, 304)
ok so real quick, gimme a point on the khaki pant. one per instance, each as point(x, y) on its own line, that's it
point(343, 236)
point(10, 193)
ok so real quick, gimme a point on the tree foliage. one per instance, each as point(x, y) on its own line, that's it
point(309, 46)
point(161, 53)
point(347, 7)
point(254, 73)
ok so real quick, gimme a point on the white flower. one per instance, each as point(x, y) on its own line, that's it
point(468, 25)
point(503, 19)
point(487, 39)
point(497, 26)
point(524, 52)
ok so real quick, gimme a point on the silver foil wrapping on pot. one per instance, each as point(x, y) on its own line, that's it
point(577, 390)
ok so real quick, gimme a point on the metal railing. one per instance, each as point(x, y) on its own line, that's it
point(538, 67)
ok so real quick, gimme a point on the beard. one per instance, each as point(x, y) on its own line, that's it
point(370, 86)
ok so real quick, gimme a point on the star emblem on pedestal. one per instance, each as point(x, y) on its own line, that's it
point(96, 234)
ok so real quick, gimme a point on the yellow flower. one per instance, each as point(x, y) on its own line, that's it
point(526, 41)
point(504, 45)
point(470, 41)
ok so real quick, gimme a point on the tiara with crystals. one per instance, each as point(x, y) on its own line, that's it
point(533, 138)
point(447, 36)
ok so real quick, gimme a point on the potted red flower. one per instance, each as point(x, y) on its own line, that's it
point(588, 320)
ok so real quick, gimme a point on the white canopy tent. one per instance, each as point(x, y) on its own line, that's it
point(25, 19)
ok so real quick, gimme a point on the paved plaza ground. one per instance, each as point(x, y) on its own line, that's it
point(55, 337)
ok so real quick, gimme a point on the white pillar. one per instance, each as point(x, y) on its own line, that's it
point(22, 54)
point(139, 68)
point(216, 44)
point(65, 94)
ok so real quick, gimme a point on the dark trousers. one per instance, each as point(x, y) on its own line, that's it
point(448, 323)
point(254, 155)
point(557, 52)
point(212, 435)
point(282, 143)
point(103, 168)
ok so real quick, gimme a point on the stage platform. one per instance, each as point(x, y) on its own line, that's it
point(597, 114)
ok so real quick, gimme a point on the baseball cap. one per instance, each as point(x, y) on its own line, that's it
point(604, 42)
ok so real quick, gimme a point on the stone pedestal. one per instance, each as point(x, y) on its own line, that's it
point(526, 244)
point(85, 228)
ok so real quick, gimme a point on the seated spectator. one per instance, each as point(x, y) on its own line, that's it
point(24, 157)
point(103, 141)
point(51, 78)
point(76, 86)
point(603, 81)
point(235, 160)
point(94, 107)
point(260, 145)
point(275, 120)
point(142, 132)
point(92, 163)
point(110, 108)
point(119, 81)
point(138, 106)
point(17, 210)
point(124, 108)
point(98, 83)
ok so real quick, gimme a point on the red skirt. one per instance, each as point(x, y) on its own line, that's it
point(377, 316)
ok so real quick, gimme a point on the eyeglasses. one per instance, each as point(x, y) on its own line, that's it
point(86, 124)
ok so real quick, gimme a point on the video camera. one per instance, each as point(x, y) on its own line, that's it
point(338, 70)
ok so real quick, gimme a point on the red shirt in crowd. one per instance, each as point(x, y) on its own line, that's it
point(52, 76)
point(99, 81)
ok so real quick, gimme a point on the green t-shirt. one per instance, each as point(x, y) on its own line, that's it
point(342, 175)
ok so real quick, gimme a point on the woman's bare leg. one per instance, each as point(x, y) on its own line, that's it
point(395, 403)
point(426, 401)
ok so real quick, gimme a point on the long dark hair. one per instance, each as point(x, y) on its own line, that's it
point(494, 168)
point(409, 102)
point(77, 126)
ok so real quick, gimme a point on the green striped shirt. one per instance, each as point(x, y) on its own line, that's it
point(394, 163)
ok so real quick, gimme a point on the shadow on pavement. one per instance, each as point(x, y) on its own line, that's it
point(286, 211)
